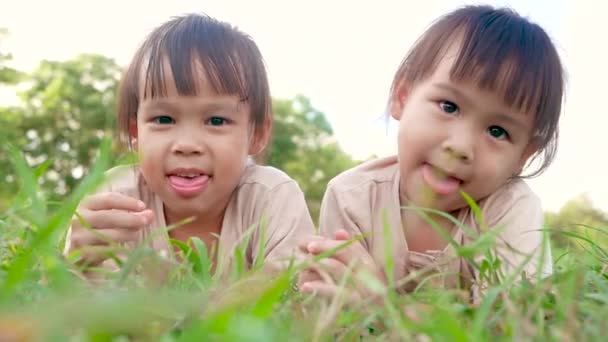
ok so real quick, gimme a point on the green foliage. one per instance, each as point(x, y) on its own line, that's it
point(8, 75)
point(43, 297)
point(9, 120)
point(578, 217)
point(69, 109)
point(63, 126)
point(304, 148)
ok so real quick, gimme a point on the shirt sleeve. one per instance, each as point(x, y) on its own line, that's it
point(335, 215)
point(522, 243)
point(286, 222)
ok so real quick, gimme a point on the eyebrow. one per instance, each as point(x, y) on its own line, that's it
point(449, 88)
point(501, 116)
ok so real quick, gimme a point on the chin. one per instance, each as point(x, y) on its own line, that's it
point(185, 209)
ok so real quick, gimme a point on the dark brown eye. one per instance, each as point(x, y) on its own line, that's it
point(448, 107)
point(164, 120)
point(498, 132)
point(217, 121)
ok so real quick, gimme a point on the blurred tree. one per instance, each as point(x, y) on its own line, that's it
point(8, 75)
point(303, 147)
point(9, 121)
point(575, 216)
point(68, 108)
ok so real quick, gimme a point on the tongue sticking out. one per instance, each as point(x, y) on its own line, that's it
point(188, 186)
point(188, 181)
point(441, 184)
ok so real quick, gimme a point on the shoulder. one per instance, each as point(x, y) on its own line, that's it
point(517, 212)
point(265, 191)
point(370, 174)
point(361, 194)
point(514, 193)
point(265, 179)
point(264, 186)
point(515, 201)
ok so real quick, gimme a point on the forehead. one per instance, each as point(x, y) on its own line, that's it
point(494, 81)
point(202, 96)
point(160, 80)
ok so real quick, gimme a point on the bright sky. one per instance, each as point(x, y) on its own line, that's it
point(342, 55)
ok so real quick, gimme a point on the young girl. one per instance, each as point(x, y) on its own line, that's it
point(477, 98)
point(195, 104)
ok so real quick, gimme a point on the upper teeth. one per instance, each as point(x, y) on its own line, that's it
point(190, 175)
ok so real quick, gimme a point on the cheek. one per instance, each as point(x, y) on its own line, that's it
point(148, 161)
point(417, 137)
point(499, 164)
point(150, 170)
point(232, 150)
point(149, 147)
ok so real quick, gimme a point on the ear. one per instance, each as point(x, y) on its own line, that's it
point(398, 100)
point(260, 139)
point(528, 152)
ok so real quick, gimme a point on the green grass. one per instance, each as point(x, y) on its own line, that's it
point(42, 296)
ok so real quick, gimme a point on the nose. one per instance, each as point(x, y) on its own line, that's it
point(188, 142)
point(460, 145)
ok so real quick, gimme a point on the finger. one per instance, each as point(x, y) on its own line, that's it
point(93, 255)
point(334, 272)
point(83, 237)
point(308, 275)
point(321, 246)
point(113, 200)
point(342, 234)
point(352, 256)
point(319, 288)
point(117, 219)
point(303, 245)
point(345, 254)
point(329, 267)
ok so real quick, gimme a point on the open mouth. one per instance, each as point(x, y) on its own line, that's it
point(187, 175)
point(188, 182)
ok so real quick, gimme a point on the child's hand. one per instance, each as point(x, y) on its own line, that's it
point(108, 218)
point(324, 277)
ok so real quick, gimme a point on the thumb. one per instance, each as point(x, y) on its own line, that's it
point(147, 214)
point(342, 234)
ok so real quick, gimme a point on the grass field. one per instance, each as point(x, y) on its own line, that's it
point(43, 296)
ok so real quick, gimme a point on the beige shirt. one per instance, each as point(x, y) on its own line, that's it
point(265, 194)
point(363, 199)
